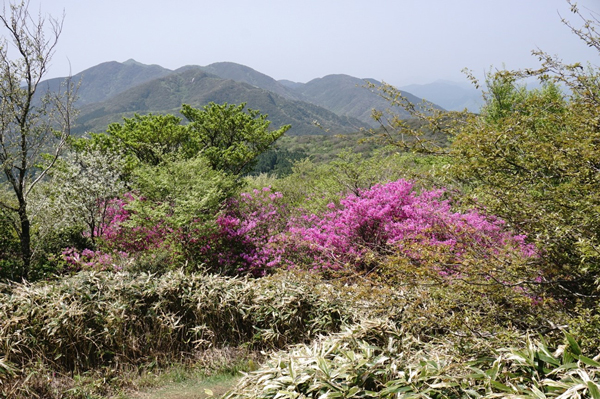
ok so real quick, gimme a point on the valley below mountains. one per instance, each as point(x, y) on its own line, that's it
point(334, 104)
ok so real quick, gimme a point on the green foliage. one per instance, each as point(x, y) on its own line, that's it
point(95, 320)
point(180, 191)
point(532, 158)
point(148, 138)
point(312, 186)
point(230, 138)
point(427, 128)
point(180, 175)
point(323, 148)
point(585, 325)
point(10, 266)
point(277, 161)
point(227, 136)
point(99, 324)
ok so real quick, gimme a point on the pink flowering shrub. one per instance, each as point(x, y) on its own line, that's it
point(250, 232)
point(386, 220)
point(393, 217)
point(258, 232)
point(117, 233)
point(120, 241)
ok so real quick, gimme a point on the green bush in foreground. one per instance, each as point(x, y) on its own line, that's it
point(88, 331)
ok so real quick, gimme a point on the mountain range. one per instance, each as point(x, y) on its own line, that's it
point(451, 96)
point(110, 91)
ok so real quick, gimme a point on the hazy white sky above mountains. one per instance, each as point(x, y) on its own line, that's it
point(399, 41)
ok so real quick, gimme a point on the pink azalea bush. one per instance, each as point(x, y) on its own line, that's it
point(257, 232)
point(250, 232)
point(118, 233)
point(393, 217)
point(119, 240)
point(389, 218)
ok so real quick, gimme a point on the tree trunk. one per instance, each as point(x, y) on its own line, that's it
point(25, 241)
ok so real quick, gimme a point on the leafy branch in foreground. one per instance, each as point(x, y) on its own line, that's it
point(428, 129)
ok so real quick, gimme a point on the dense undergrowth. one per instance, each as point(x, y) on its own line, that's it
point(100, 325)
point(380, 360)
point(103, 321)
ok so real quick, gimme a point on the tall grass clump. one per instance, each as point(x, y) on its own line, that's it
point(379, 360)
point(100, 319)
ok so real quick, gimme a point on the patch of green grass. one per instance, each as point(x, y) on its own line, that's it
point(179, 383)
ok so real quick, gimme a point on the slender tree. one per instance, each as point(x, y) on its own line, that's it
point(32, 123)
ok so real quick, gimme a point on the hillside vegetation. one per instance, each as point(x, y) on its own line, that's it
point(449, 255)
point(111, 91)
point(195, 87)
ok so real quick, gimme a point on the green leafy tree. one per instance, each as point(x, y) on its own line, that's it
point(532, 157)
point(31, 123)
point(230, 138)
point(181, 191)
point(144, 138)
point(181, 174)
point(170, 214)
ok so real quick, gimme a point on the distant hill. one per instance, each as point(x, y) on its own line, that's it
point(108, 79)
point(194, 86)
point(343, 94)
point(242, 73)
point(112, 90)
point(450, 95)
point(347, 95)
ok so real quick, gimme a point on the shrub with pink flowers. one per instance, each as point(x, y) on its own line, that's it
point(391, 218)
point(386, 220)
point(120, 240)
point(250, 232)
point(119, 233)
point(257, 232)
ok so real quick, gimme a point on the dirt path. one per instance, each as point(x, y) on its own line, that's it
point(203, 389)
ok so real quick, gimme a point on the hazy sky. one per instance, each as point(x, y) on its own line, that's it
point(399, 41)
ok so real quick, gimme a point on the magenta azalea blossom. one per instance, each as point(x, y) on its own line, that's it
point(385, 219)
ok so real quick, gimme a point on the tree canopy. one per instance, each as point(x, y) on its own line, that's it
point(230, 138)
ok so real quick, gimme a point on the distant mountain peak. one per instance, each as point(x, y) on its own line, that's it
point(245, 74)
point(230, 64)
point(131, 61)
